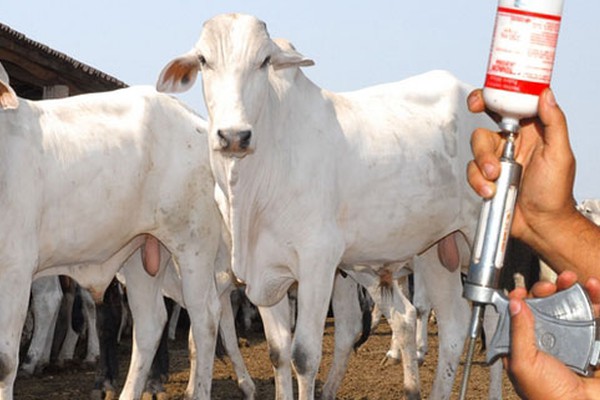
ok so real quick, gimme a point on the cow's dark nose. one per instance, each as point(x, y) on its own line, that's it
point(244, 139)
point(223, 139)
point(234, 140)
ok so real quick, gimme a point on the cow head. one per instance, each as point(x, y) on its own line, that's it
point(236, 56)
point(8, 97)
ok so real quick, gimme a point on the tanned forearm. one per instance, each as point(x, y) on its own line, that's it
point(570, 244)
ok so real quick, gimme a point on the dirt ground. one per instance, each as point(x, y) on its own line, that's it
point(366, 379)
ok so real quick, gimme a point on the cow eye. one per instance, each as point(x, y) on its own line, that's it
point(265, 62)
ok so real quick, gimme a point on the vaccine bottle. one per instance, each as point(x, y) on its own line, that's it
point(521, 57)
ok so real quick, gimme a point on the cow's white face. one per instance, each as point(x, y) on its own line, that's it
point(235, 55)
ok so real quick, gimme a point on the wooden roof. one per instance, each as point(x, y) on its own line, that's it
point(32, 66)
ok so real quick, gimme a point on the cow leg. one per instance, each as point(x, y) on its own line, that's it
point(314, 294)
point(15, 287)
point(89, 312)
point(490, 322)
point(230, 341)
point(202, 303)
point(423, 307)
point(403, 322)
point(376, 315)
point(394, 354)
point(444, 289)
point(108, 313)
point(149, 318)
point(159, 371)
point(276, 323)
point(67, 349)
point(249, 312)
point(174, 320)
point(348, 316)
point(189, 390)
point(45, 302)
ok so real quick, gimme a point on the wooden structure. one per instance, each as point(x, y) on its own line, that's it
point(38, 72)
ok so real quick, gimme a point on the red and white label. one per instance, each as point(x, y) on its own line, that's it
point(522, 53)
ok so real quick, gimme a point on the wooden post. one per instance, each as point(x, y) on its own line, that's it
point(55, 92)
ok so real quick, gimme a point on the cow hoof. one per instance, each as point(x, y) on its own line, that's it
point(156, 395)
point(387, 360)
point(248, 389)
point(162, 396)
point(421, 357)
point(110, 395)
point(26, 371)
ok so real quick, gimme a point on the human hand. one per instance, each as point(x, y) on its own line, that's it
point(535, 374)
point(543, 149)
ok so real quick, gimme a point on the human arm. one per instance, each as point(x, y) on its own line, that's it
point(545, 216)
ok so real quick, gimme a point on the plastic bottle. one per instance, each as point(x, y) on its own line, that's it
point(521, 57)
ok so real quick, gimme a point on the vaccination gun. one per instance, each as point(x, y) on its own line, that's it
point(519, 69)
point(564, 322)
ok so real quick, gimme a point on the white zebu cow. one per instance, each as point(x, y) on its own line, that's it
point(311, 179)
point(81, 178)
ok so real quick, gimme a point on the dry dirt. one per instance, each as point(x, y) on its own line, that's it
point(365, 379)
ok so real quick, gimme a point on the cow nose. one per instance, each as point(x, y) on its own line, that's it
point(223, 139)
point(234, 140)
point(244, 139)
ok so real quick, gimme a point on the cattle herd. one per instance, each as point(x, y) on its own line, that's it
point(285, 187)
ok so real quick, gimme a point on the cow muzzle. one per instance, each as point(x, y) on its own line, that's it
point(232, 141)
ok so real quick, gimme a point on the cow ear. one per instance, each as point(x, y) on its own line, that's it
point(8, 97)
point(286, 58)
point(179, 75)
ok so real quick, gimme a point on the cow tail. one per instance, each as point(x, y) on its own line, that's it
point(367, 318)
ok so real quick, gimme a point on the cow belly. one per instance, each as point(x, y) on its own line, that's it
point(387, 236)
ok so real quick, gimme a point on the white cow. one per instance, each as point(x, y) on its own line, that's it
point(311, 179)
point(82, 177)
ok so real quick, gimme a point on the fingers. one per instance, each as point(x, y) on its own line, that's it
point(478, 182)
point(523, 340)
point(477, 104)
point(553, 120)
point(485, 168)
point(485, 144)
point(519, 293)
point(543, 289)
point(475, 101)
point(565, 280)
point(592, 286)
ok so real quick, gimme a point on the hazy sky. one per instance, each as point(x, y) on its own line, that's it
point(354, 44)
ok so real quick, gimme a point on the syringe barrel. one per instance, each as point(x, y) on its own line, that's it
point(492, 235)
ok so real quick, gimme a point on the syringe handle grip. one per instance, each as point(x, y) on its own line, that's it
point(564, 326)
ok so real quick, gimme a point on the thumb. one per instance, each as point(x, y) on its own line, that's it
point(522, 335)
point(553, 121)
